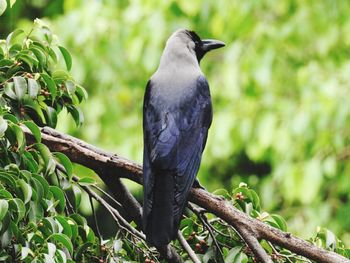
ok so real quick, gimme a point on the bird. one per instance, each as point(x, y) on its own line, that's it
point(177, 113)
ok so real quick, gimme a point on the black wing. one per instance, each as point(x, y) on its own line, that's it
point(174, 139)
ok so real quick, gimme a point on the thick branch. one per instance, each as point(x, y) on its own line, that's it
point(111, 167)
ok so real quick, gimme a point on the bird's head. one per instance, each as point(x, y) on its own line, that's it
point(186, 39)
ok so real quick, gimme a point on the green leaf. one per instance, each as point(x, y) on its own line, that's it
point(39, 189)
point(39, 54)
point(51, 116)
point(64, 160)
point(232, 254)
point(3, 126)
point(34, 130)
point(29, 162)
point(4, 194)
point(70, 86)
point(80, 251)
point(87, 181)
point(43, 183)
point(11, 118)
point(66, 229)
point(58, 195)
point(6, 63)
point(81, 93)
point(33, 88)
point(280, 222)
point(60, 76)
point(36, 212)
point(241, 258)
point(6, 237)
point(8, 179)
point(9, 90)
point(3, 208)
point(25, 251)
point(47, 157)
point(77, 196)
point(51, 249)
point(64, 240)
point(25, 190)
point(17, 205)
point(20, 87)
point(77, 114)
point(10, 38)
point(50, 84)
point(3, 6)
point(30, 60)
point(19, 135)
point(67, 57)
point(12, 2)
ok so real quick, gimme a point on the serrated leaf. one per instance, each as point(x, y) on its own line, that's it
point(3, 208)
point(67, 57)
point(34, 130)
point(64, 240)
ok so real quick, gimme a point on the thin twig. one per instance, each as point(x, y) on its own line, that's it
point(201, 216)
point(95, 218)
point(187, 248)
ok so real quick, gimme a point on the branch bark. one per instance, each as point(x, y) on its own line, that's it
point(111, 167)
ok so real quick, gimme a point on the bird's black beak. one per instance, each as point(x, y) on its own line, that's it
point(210, 44)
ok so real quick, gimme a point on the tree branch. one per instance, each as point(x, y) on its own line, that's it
point(111, 167)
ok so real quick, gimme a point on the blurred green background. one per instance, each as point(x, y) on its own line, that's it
point(280, 88)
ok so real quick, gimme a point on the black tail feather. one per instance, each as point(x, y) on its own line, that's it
point(161, 225)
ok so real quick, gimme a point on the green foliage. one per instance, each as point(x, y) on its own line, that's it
point(37, 220)
point(223, 244)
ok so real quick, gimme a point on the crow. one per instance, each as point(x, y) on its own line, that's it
point(177, 114)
